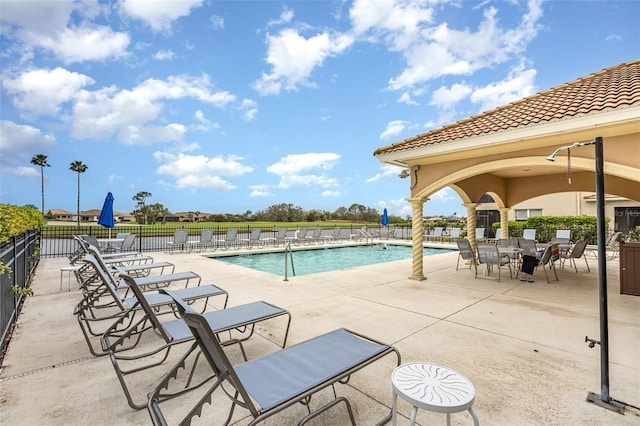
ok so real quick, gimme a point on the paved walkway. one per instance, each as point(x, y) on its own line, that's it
point(521, 344)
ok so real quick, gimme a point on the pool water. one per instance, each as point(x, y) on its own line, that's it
point(303, 262)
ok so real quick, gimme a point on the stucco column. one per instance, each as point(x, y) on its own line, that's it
point(471, 224)
point(504, 221)
point(417, 237)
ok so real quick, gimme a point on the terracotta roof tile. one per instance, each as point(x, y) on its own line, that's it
point(615, 87)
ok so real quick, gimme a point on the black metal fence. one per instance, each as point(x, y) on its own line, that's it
point(58, 241)
point(20, 255)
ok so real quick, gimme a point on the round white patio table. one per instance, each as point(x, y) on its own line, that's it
point(432, 387)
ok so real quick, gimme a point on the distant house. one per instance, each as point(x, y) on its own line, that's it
point(192, 217)
point(124, 217)
point(90, 215)
point(59, 214)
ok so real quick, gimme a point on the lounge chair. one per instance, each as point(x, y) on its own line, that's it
point(129, 358)
point(497, 237)
point(577, 251)
point(104, 307)
point(489, 256)
point(253, 239)
point(276, 238)
point(229, 240)
point(179, 241)
point(465, 252)
point(293, 238)
point(128, 243)
point(315, 237)
point(454, 234)
point(612, 247)
point(334, 237)
point(205, 242)
point(270, 384)
point(436, 235)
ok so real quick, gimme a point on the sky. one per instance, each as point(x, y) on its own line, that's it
point(235, 106)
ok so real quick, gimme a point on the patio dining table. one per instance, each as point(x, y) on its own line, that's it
point(109, 244)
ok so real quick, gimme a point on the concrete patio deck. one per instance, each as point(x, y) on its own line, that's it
point(522, 345)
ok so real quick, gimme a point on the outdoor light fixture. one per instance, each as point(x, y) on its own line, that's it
point(604, 399)
point(404, 174)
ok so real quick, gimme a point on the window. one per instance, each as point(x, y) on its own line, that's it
point(524, 214)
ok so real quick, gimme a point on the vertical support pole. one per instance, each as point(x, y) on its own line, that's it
point(604, 399)
point(471, 225)
point(602, 273)
point(417, 238)
point(504, 222)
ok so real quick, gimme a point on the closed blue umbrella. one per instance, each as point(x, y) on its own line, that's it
point(385, 218)
point(106, 214)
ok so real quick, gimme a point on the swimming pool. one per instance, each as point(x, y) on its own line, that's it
point(326, 259)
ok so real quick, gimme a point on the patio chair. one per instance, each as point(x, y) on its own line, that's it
point(529, 234)
point(129, 358)
point(229, 239)
point(528, 247)
point(577, 251)
point(489, 256)
point(272, 383)
point(563, 237)
point(465, 252)
point(179, 242)
point(547, 260)
point(253, 239)
point(104, 307)
point(480, 235)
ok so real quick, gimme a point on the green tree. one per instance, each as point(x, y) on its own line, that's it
point(78, 167)
point(41, 161)
point(141, 212)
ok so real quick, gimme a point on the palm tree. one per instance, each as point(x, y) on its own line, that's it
point(78, 167)
point(41, 160)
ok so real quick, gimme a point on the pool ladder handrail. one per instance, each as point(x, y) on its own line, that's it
point(287, 250)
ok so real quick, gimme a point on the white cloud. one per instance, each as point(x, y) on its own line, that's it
point(164, 55)
point(285, 17)
point(441, 50)
point(42, 91)
point(293, 58)
point(159, 15)
point(260, 191)
point(205, 124)
point(131, 114)
point(249, 109)
point(18, 143)
point(193, 172)
point(385, 171)
point(331, 193)
point(217, 22)
point(393, 129)
point(405, 98)
point(447, 97)
point(518, 85)
point(294, 169)
point(48, 26)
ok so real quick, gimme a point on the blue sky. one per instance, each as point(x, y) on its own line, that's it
point(229, 106)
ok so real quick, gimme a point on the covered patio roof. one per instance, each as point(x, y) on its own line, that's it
point(503, 152)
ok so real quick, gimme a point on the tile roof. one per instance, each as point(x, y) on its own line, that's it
point(611, 88)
